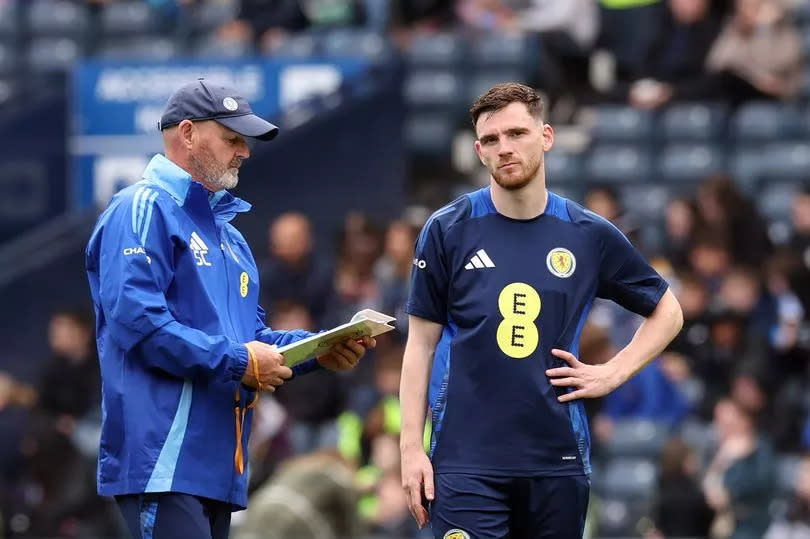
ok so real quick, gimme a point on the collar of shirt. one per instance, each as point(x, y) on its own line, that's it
point(177, 182)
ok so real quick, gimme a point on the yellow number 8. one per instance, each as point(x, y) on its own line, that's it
point(517, 334)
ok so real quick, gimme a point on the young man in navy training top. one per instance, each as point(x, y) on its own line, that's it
point(502, 283)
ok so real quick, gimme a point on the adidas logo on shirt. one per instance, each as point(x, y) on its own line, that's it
point(199, 249)
point(480, 260)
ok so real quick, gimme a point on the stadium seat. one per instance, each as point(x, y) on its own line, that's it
point(57, 18)
point(482, 80)
point(302, 45)
point(146, 48)
point(693, 121)
point(343, 42)
point(775, 200)
point(8, 59)
point(430, 88)
point(8, 19)
point(8, 89)
point(47, 55)
point(438, 50)
point(627, 478)
point(646, 202)
point(786, 161)
point(805, 89)
point(636, 438)
point(689, 162)
point(211, 46)
point(127, 18)
point(563, 167)
point(800, 123)
point(500, 50)
point(618, 123)
point(787, 468)
point(805, 43)
point(747, 166)
point(430, 134)
point(761, 120)
point(801, 13)
point(208, 16)
point(618, 163)
point(698, 435)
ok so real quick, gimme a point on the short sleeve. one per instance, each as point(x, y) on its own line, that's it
point(625, 277)
point(429, 277)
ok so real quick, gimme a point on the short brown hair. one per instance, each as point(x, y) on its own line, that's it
point(501, 95)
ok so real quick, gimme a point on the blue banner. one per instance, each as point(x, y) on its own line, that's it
point(116, 107)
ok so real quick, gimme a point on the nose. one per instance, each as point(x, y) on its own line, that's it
point(505, 149)
point(243, 150)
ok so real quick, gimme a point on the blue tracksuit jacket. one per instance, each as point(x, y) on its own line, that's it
point(175, 289)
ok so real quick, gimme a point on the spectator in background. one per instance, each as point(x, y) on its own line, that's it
point(685, 33)
point(743, 293)
point(651, 395)
point(567, 31)
point(316, 400)
point(739, 482)
point(757, 55)
point(310, 497)
point(268, 23)
point(797, 522)
point(693, 295)
point(294, 272)
point(782, 274)
point(393, 270)
point(680, 509)
point(360, 247)
point(70, 384)
point(710, 259)
point(729, 350)
point(800, 244)
point(55, 490)
point(725, 210)
point(604, 200)
point(682, 220)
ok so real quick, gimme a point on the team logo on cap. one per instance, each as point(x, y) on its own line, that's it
point(561, 262)
point(456, 534)
point(230, 104)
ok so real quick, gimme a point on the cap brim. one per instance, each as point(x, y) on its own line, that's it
point(250, 125)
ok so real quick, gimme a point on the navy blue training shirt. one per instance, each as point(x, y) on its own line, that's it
point(507, 291)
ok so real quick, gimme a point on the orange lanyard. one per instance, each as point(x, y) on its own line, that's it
point(240, 413)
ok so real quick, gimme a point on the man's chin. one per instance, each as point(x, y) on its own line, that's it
point(511, 183)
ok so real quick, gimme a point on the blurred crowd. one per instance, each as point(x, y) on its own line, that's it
point(731, 392)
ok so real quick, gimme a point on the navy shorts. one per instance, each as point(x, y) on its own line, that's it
point(169, 515)
point(490, 507)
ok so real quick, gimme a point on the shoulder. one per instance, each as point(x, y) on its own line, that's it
point(586, 219)
point(138, 198)
point(447, 216)
point(139, 207)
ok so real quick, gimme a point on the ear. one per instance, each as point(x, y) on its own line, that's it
point(187, 133)
point(548, 137)
point(478, 151)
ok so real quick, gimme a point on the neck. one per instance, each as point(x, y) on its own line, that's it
point(182, 161)
point(527, 202)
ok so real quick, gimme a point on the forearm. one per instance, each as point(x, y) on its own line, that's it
point(413, 393)
point(281, 338)
point(186, 352)
point(655, 333)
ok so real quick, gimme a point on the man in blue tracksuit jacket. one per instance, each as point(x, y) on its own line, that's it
point(182, 340)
